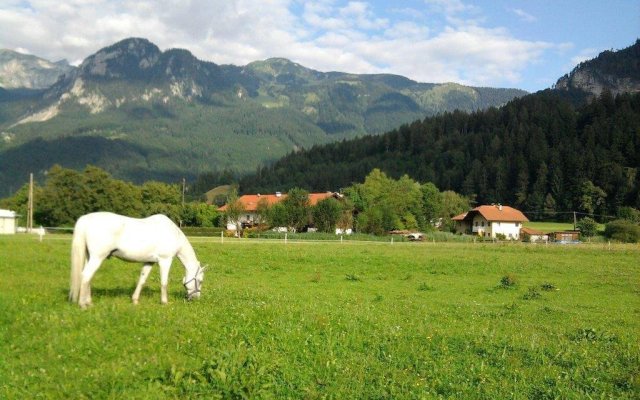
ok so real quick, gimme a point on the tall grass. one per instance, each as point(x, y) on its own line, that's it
point(328, 320)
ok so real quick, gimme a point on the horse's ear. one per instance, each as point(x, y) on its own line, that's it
point(202, 268)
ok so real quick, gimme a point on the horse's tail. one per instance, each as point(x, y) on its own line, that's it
point(78, 259)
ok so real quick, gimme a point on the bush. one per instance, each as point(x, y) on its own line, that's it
point(587, 226)
point(622, 231)
point(508, 281)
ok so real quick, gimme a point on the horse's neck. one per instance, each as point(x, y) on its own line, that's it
point(187, 255)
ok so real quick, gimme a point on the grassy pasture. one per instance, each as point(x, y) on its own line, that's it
point(328, 320)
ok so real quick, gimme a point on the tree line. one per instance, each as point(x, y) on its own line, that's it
point(378, 205)
point(68, 194)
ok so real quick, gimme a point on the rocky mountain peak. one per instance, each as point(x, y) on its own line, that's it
point(25, 71)
point(129, 58)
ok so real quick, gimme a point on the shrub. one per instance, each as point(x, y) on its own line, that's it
point(548, 286)
point(532, 293)
point(623, 231)
point(508, 281)
point(587, 226)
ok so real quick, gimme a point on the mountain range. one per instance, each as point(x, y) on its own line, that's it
point(142, 113)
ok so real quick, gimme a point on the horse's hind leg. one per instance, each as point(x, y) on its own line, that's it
point(146, 269)
point(85, 286)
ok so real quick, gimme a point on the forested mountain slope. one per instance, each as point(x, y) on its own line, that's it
point(538, 153)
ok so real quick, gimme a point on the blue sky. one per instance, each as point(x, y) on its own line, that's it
point(499, 43)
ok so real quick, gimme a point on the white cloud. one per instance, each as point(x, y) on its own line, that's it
point(524, 16)
point(439, 41)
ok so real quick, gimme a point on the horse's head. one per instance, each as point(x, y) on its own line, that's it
point(193, 285)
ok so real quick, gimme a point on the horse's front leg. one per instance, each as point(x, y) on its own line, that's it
point(85, 286)
point(144, 274)
point(165, 266)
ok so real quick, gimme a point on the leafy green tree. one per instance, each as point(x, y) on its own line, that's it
point(591, 197)
point(234, 209)
point(297, 206)
point(432, 204)
point(326, 214)
point(199, 214)
point(19, 203)
point(588, 227)
point(65, 197)
point(277, 216)
point(453, 204)
point(262, 211)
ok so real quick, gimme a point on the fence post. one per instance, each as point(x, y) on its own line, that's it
point(285, 238)
point(221, 236)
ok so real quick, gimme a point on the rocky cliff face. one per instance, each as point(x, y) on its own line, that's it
point(617, 72)
point(19, 70)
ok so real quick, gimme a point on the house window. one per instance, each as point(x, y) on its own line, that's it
point(517, 224)
point(483, 224)
point(498, 223)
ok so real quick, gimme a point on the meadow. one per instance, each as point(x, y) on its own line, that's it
point(328, 320)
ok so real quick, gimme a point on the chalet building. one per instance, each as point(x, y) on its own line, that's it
point(250, 205)
point(491, 220)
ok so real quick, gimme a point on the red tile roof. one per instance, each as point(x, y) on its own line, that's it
point(250, 201)
point(494, 213)
point(531, 231)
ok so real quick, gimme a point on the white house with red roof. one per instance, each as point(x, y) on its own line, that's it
point(491, 220)
point(250, 205)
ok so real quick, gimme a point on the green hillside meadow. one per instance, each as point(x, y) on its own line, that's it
point(328, 320)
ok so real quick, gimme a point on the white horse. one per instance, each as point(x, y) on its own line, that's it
point(150, 240)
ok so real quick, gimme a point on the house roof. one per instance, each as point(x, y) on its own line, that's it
point(7, 214)
point(531, 231)
point(250, 201)
point(498, 213)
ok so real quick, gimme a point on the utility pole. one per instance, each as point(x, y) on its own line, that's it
point(184, 185)
point(30, 205)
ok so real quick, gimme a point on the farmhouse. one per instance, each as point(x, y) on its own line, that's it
point(490, 221)
point(8, 224)
point(250, 203)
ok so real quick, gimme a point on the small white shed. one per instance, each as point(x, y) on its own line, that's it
point(8, 222)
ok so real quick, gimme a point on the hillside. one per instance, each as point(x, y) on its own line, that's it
point(541, 153)
point(139, 113)
point(538, 153)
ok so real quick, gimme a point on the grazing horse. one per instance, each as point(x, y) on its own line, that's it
point(155, 239)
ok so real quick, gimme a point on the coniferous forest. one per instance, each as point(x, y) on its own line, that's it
point(539, 153)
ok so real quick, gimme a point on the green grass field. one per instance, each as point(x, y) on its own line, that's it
point(328, 320)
